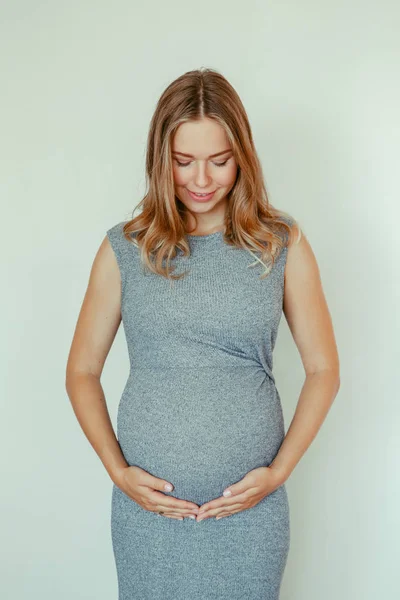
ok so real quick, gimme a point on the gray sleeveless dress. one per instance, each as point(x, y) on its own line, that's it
point(200, 409)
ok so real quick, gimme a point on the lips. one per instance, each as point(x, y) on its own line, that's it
point(201, 198)
point(201, 193)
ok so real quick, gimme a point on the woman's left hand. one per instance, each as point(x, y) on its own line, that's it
point(244, 494)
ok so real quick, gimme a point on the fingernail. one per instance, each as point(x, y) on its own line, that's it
point(191, 517)
point(227, 493)
point(168, 487)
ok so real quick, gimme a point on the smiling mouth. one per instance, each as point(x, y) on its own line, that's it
point(201, 193)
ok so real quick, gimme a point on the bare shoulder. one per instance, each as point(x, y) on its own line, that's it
point(301, 260)
point(305, 306)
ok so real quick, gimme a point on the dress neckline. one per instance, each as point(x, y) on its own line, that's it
point(207, 235)
point(209, 242)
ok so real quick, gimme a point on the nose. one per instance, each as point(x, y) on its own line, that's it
point(201, 178)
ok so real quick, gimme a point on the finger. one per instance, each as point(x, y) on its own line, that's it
point(177, 511)
point(156, 483)
point(228, 514)
point(161, 506)
point(216, 511)
point(222, 502)
point(173, 517)
point(176, 515)
point(238, 488)
point(171, 502)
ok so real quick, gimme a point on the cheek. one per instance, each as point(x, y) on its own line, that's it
point(179, 177)
point(227, 177)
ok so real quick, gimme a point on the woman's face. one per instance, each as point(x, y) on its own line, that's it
point(203, 162)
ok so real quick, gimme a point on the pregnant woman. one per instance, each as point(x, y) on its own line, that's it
point(200, 279)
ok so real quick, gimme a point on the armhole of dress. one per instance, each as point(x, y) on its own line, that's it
point(115, 235)
point(290, 221)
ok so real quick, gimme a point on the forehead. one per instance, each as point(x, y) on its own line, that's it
point(200, 138)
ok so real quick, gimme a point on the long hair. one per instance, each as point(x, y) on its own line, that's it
point(251, 222)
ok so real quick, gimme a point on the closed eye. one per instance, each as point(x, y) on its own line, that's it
point(180, 164)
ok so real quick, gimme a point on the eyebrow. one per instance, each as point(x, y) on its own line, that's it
point(211, 155)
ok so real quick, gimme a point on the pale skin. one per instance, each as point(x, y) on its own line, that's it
point(305, 310)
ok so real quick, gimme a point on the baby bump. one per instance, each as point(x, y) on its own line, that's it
point(201, 429)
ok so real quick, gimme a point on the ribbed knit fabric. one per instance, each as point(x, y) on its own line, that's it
point(200, 409)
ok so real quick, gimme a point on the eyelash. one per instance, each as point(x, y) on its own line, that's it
point(187, 164)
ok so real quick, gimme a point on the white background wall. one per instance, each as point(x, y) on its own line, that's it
point(79, 84)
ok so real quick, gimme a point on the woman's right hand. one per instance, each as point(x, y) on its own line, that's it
point(142, 487)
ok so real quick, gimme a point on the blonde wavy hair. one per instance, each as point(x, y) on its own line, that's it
point(251, 222)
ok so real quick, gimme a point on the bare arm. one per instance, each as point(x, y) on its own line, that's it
point(309, 320)
point(98, 322)
point(97, 325)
